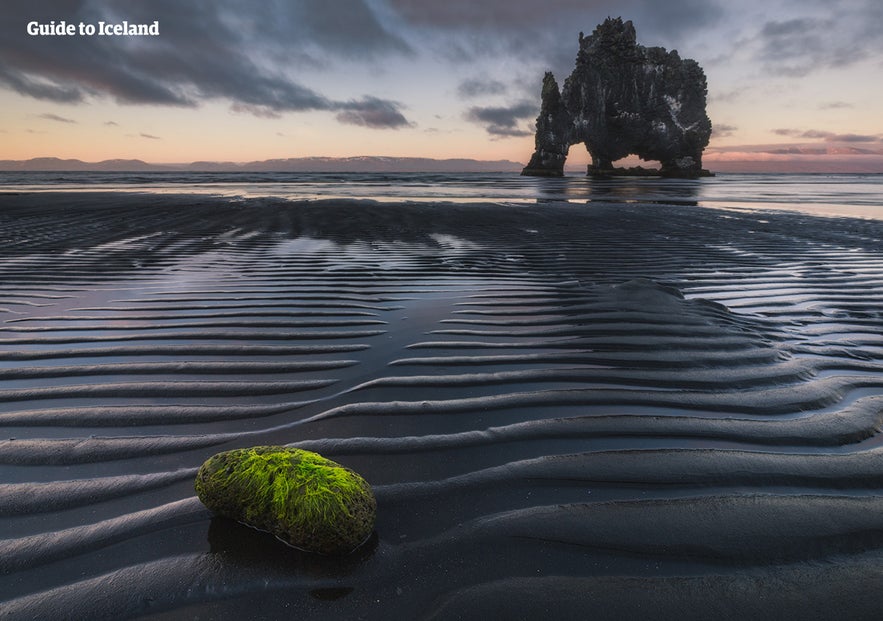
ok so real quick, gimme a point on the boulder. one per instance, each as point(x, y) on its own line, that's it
point(304, 499)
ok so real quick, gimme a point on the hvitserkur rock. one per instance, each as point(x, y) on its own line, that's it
point(622, 99)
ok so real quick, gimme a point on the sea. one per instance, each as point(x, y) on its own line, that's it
point(852, 195)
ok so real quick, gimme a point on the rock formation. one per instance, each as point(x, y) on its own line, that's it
point(621, 99)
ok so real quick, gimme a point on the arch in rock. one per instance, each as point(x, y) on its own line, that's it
point(624, 99)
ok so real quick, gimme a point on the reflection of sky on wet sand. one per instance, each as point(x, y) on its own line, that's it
point(553, 355)
point(304, 245)
point(278, 279)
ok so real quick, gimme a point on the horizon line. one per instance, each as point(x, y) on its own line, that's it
point(806, 164)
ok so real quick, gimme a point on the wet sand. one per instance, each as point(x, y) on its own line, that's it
point(571, 411)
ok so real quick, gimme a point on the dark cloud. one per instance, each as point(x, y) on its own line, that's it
point(207, 49)
point(788, 29)
point(247, 53)
point(507, 132)
point(54, 117)
point(504, 15)
point(38, 87)
point(722, 130)
point(543, 36)
point(373, 112)
point(816, 150)
point(799, 46)
point(803, 133)
point(349, 27)
point(150, 136)
point(503, 121)
point(263, 112)
point(111, 123)
point(853, 138)
point(795, 151)
point(478, 87)
point(795, 47)
point(817, 134)
point(488, 14)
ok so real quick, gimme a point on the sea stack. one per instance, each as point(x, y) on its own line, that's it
point(624, 99)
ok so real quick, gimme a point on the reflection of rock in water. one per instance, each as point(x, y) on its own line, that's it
point(250, 549)
point(621, 99)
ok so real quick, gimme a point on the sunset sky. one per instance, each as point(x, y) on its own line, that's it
point(789, 80)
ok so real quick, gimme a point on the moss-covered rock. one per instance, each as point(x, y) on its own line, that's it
point(306, 500)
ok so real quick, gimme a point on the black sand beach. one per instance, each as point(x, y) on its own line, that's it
point(605, 411)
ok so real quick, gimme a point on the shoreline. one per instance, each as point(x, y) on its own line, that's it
point(819, 195)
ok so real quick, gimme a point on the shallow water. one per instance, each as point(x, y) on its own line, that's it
point(836, 194)
point(629, 407)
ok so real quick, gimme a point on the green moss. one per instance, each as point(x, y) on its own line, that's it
point(305, 499)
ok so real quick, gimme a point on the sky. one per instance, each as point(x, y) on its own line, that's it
point(790, 82)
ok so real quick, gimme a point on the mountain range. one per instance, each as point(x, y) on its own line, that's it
point(298, 164)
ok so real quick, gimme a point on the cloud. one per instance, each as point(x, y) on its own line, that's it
point(263, 112)
point(477, 87)
point(803, 148)
point(374, 113)
point(835, 105)
point(38, 87)
point(456, 14)
point(722, 130)
point(795, 150)
point(853, 138)
point(726, 96)
point(249, 54)
point(826, 39)
point(54, 117)
point(111, 124)
point(524, 14)
point(541, 36)
point(795, 47)
point(350, 27)
point(150, 136)
point(507, 132)
point(503, 121)
point(207, 50)
point(817, 134)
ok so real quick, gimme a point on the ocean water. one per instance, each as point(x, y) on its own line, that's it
point(834, 194)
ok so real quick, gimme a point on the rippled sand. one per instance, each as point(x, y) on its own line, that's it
point(605, 411)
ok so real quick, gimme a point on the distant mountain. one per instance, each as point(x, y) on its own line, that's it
point(794, 166)
point(54, 164)
point(379, 164)
point(299, 164)
point(797, 158)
